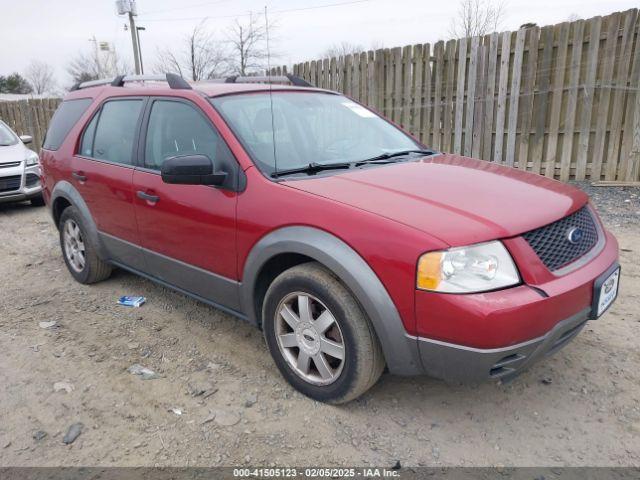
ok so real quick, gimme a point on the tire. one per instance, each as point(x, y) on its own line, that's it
point(76, 246)
point(37, 201)
point(291, 339)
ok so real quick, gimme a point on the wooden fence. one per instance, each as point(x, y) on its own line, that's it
point(561, 100)
point(29, 117)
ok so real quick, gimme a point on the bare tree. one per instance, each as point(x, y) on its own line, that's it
point(248, 42)
point(376, 45)
point(99, 64)
point(342, 49)
point(201, 57)
point(40, 76)
point(167, 62)
point(477, 17)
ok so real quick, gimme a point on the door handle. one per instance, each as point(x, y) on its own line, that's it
point(145, 196)
point(79, 176)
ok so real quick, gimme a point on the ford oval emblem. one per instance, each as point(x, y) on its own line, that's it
point(575, 234)
point(608, 286)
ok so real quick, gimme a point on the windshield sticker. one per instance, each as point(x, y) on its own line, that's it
point(359, 110)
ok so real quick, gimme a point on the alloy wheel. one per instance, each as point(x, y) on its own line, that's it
point(74, 245)
point(310, 338)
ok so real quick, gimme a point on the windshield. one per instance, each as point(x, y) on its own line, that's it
point(7, 137)
point(310, 128)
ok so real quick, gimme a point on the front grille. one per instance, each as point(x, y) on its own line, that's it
point(10, 164)
point(32, 180)
point(551, 242)
point(7, 184)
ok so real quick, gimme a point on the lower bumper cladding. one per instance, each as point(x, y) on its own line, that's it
point(461, 364)
point(23, 184)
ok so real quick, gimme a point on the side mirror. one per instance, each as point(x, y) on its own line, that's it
point(191, 170)
point(26, 139)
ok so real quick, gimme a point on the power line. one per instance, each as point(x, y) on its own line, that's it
point(288, 10)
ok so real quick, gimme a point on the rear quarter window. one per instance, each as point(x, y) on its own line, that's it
point(66, 116)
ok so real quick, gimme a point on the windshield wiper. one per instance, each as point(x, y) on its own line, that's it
point(385, 157)
point(312, 167)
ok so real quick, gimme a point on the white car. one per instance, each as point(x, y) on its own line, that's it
point(19, 169)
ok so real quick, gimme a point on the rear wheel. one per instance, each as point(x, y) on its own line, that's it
point(78, 252)
point(320, 339)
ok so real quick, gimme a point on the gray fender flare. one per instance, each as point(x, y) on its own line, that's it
point(400, 350)
point(67, 191)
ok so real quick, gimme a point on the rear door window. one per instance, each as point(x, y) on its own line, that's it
point(111, 134)
point(66, 116)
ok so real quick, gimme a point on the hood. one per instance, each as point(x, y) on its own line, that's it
point(13, 153)
point(459, 200)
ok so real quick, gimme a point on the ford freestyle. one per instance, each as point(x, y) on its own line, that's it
point(351, 245)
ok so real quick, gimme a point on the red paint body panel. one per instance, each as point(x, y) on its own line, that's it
point(109, 196)
point(391, 249)
point(460, 200)
point(195, 224)
point(50, 173)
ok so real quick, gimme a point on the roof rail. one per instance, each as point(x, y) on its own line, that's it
point(175, 82)
point(297, 81)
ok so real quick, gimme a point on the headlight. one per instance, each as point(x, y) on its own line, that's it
point(477, 268)
point(31, 160)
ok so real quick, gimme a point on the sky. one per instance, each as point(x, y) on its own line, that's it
point(56, 30)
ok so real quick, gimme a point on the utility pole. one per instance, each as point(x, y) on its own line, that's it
point(138, 29)
point(128, 7)
point(134, 39)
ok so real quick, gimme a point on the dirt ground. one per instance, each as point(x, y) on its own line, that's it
point(580, 407)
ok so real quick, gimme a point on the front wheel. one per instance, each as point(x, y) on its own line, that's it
point(320, 339)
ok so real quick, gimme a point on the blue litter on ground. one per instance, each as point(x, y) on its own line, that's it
point(131, 301)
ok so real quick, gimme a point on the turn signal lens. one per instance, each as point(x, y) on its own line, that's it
point(430, 270)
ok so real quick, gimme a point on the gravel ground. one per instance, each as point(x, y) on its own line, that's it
point(619, 206)
point(219, 400)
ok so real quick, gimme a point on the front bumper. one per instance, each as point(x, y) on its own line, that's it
point(496, 335)
point(460, 364)
point(28, 187)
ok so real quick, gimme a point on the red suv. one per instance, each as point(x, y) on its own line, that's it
point(354, 247)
